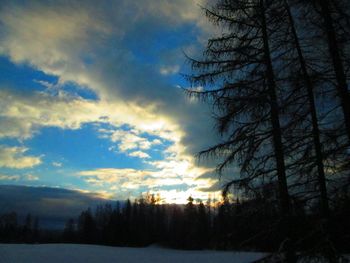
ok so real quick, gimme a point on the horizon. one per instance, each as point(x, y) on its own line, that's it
point(53, 207)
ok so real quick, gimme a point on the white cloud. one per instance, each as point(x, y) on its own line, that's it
point(31, 177)
point(156, 142)
point(18, 177)
point(112, 175)
point(46, 84)
point(57, 164)
point(140, 154)
point(22, 116)
point(169, 70)
point(129, 140)
point(13, 157)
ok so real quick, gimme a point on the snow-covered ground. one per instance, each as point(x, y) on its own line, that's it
point(72, 253)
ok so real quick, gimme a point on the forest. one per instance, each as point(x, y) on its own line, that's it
point(230, 224)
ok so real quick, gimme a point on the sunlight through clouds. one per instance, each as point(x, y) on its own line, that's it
point(42, 110)
point(173, 173)
point(134, 107)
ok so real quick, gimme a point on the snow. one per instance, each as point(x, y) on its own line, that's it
point(74, 253)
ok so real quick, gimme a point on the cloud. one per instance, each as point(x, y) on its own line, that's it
point(169, 70)
point(24, 115)
point(13, 157)
point(163, 176)
point(5, 177)
point(31, 177)
point(140, 154)
point(49, 204)
point(47, 32)
point(57, 164)
point(113, 174)
point(129, 140)
point(132, 91)
point(90, 47)
point(17, 177)
point(59, 36)
point(14, 128)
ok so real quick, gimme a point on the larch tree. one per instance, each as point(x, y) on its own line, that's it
point(240, 79)
point(238, 70)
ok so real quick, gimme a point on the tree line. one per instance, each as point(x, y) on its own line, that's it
point(231, 224)
point(11, 230)
point(277, 77)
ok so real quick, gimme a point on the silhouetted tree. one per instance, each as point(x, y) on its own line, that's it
point(203, 226)
point(87, 227)
point(69, 231)
point(240, 64)
point(28, 229)
point(334, 48)
point(9, 228)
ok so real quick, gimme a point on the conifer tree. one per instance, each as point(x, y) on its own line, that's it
point(239, 73)
point(240, 79)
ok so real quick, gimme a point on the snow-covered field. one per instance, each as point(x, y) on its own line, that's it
point(72, 253)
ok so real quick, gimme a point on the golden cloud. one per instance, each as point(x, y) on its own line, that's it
point(13, 157)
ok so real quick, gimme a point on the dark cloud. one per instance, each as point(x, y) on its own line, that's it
point(53, 206)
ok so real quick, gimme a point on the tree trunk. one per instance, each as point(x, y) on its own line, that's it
point(338, 67)
point(289, 252)
point(314, 119)
point(276, 127)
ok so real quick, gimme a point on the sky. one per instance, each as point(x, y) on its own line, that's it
point(92, 100)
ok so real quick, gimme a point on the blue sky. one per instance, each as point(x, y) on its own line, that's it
point(90, 97)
